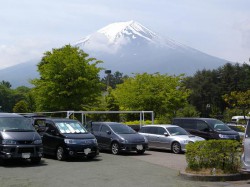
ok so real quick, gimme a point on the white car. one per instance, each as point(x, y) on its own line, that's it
point(170, 137)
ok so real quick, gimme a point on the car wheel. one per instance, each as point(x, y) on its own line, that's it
point(115, 148)
point(176, 148)
point(35, 160)
point(60, 155)
point(140, 152)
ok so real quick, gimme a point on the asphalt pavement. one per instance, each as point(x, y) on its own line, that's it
point(154, 169)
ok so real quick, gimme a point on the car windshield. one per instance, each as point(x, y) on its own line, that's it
point(70, 127)
point(218, 125)
point(122, 129)
point(16, 124)
point(174, 131)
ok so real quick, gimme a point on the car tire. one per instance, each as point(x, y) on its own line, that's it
point(140, 152)
point(60, 154)
point(115, 148)
point(176, 148)
point(35, 160)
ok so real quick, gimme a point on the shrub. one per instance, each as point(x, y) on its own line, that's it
point(219, 154)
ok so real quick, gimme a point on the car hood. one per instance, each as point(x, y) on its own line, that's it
point(192, 138)
point(134, 138)
point(79, 136)
point(20, 136)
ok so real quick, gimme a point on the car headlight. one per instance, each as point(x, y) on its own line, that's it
point(37, 142)
point(223, 136)
point(123, 140)
point(70, 141)
point(9, 142)
point(186, 141)
point(145, 139)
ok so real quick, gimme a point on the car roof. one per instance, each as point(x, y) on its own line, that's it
point(161, 125)
point(9, 115)
point(106, 123)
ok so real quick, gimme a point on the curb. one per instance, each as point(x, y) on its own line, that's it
point(228, 177)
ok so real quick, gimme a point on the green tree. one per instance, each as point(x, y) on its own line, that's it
point(21, 107)
point(239, 100)
point(162, 94)
point(113, 79)
point(69, 80)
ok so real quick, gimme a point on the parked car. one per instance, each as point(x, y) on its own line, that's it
point(68, 138)
point(208, 128)
point(19, 139)
point(238, 128)
point(170, 137)
point(118, 137)
point(246, 149)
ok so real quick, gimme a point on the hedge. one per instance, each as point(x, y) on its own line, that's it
point(218, 154)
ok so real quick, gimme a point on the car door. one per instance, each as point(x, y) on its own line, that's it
point(104, 136)
point(50, 138)
point(246, 158)
point(163, 141)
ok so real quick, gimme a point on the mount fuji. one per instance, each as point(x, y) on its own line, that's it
point(129, 47)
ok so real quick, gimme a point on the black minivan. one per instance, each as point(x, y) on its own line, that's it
point(19, 139)
point(65, 138)
point(207, 128)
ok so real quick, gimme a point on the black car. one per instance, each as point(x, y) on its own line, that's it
point(118, 137)
point(68, 138)
point(208, 128)
point(19, 139)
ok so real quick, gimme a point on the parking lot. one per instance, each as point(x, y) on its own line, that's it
point(155, 168)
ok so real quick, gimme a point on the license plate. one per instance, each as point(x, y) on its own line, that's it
point(87, 151)
point(139, 147)
point(25, 155)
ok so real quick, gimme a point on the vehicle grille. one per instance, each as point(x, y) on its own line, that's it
point(26, 150)
point(25, 142)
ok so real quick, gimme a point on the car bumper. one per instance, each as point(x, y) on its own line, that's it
point(20, 151)
point(133, 147)
point(81, 150)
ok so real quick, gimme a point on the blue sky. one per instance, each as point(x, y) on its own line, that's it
point(30, 27)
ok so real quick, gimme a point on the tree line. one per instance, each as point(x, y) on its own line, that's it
point(70, 80)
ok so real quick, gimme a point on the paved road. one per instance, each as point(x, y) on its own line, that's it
point(128, 170)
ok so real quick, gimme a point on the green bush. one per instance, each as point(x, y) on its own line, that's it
point(219, 154)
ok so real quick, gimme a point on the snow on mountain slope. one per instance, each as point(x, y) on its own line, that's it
point(116, 35)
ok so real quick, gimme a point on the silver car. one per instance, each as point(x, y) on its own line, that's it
point(246, 146)
point(170, 137)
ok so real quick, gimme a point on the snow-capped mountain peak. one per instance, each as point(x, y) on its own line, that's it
point(130, 28)
point(116, 35)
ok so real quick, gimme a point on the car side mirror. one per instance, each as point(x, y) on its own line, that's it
point(166, 134)
point(108, 132)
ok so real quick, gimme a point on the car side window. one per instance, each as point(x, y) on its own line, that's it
point(202, 126)
point(161, 130)
point(104, 128)
point(50, 128)
point(95, 127)
point(143, 130)
point(152, 130)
